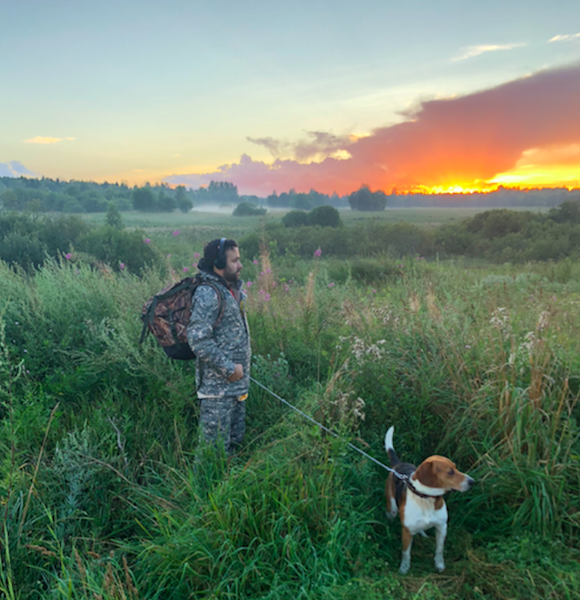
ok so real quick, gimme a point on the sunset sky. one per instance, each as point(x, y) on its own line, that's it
point(427, 94)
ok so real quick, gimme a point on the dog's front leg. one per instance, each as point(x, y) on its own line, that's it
point(407, 543)
point(440, 537)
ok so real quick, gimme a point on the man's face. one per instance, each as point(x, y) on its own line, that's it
point(233, 265)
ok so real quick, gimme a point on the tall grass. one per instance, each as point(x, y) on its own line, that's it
point(103, 497)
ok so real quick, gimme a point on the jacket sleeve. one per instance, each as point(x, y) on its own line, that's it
point(204, 312)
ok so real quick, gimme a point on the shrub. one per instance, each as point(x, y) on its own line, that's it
point(324, 216)
point(184, 204)
point(295, 218)
point(247, 209)
point(24, 250)
point(120, 249)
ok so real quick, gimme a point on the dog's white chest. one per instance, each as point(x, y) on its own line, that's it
point(420, 514)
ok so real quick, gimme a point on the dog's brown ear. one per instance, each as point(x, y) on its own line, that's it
point(425, 473)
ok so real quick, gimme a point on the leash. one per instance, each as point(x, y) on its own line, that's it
point(404, 478)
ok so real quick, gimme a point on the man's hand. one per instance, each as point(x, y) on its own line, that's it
point(237, 374)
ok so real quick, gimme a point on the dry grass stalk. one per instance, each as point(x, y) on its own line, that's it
point(44, 551)
point(309, 299)
point(266, 277)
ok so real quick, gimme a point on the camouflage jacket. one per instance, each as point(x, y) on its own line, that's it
point(219, 349)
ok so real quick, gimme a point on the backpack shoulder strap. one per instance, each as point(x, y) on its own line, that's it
point(222, 304)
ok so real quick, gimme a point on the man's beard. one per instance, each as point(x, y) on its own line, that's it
point(231, 277)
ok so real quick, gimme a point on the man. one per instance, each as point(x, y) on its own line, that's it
point(218, 334)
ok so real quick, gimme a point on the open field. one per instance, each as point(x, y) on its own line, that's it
point(101, 493)
point(210, 216)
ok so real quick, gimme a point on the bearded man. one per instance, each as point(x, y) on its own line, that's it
point(219, 336)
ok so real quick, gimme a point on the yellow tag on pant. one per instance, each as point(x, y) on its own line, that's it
point(242, 398)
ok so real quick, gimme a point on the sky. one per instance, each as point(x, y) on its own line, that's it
point(433, 95)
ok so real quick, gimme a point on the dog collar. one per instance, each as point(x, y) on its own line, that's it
point(417, 492)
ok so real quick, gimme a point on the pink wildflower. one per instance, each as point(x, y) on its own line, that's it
point(255, 262)
point(176, 232)
point(196, 254)
point(250, 283)
point(331, 285)
point(121, 266)
point(146, 241)
point(185, 269)
point(318, 253)
point(68, 256)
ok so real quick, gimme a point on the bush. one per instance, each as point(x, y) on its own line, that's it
point(184, 204)
point(247, 209)
point(120, 249)
point(295, 218)
point(23, 250)
point(324, 216)
point(27, 241)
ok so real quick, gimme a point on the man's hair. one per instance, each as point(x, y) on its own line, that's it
point(211, 250)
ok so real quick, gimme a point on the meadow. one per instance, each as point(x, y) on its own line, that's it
point(102, 496)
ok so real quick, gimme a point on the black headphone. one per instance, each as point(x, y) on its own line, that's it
point(220, 261)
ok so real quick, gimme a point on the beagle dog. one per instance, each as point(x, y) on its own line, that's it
point(418, 498)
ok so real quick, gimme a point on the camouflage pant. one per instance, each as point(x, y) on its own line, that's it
point(223, 418)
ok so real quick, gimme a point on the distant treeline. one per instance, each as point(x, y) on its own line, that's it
point(54, 195)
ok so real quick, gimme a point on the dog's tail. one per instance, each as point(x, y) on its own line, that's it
point(390, 449)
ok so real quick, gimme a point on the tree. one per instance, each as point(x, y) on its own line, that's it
point(114, 217)
point(302, 201)
point(247, 209)
point(364, 199)
point(165, 203)
point(223, 192)
point(10, 200)
point(143, 199)
point(567, 212)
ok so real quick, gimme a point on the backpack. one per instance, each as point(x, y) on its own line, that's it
point(167, 315)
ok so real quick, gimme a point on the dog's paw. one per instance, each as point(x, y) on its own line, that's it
point(440, 565)
point(405, 566)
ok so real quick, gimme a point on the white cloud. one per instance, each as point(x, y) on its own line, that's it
point(565, 38)
point(472, 51)
point(47, 140)
point(14, 169)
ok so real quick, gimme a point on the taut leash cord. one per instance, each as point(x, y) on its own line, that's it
point(399, 475)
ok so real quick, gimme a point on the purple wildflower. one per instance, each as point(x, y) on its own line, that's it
point(318, 253)
point(68, 256)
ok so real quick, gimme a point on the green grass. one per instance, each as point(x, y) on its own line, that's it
point(223, 220)
point(102, 496)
